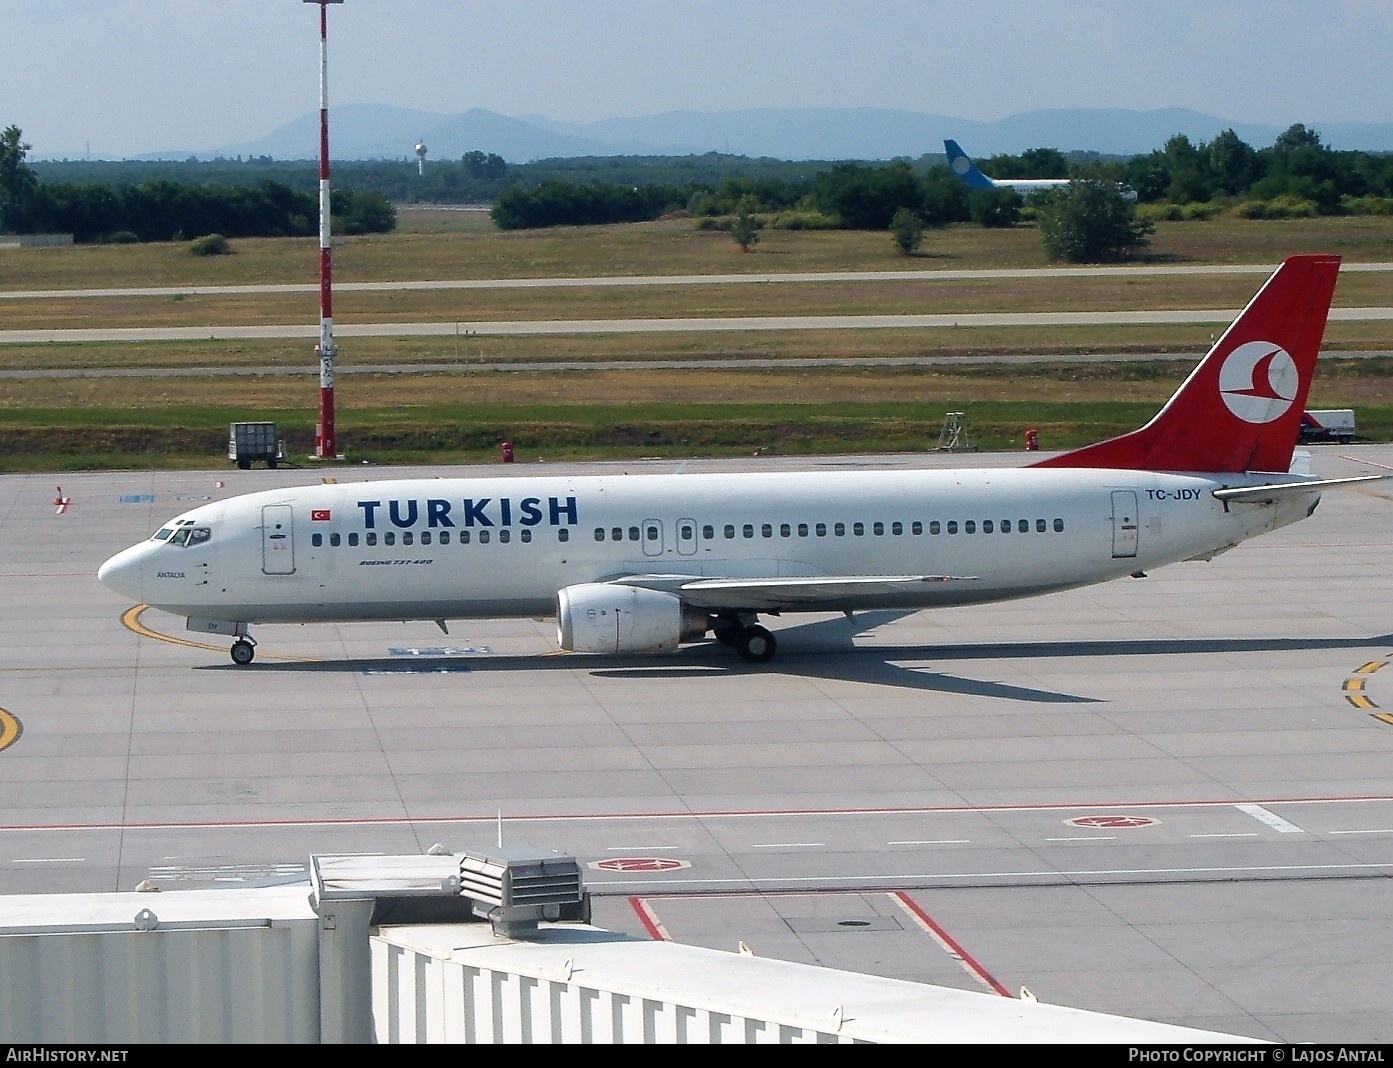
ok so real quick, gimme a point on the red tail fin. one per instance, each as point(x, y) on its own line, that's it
point(1240, 409)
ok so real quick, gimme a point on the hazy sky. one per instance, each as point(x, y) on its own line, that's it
point(132, 76)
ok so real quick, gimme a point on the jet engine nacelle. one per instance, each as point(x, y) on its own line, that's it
point(600, 617)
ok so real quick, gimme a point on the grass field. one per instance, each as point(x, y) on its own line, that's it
point(458, 412)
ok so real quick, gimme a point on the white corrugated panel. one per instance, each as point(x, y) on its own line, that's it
point(458, 983)
point(212, 967)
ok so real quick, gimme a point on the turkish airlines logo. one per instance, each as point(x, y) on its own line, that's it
point(1258, 381)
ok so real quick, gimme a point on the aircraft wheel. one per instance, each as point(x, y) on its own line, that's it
point(755, 645)
point(727, 636)
point(243, 652)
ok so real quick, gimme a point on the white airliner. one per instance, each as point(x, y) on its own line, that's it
point(643, 563)
point(962, 165)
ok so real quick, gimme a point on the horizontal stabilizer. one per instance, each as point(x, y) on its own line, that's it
point(1282, 489)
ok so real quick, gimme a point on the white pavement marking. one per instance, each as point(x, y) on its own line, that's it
point(1271, 819)
point(1086, 838)
point(1371, 830)
point(1229, 834)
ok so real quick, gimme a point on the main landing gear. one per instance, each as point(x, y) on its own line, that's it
point(243, 651)
point(753, 643)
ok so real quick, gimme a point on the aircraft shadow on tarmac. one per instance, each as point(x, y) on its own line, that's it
point(826, 650)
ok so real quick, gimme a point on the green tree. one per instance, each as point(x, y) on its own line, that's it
point(1233, 163)
point(478, 164)
point(17, 182)
point(745, 227)
point(1297, 136)
point(866, 198)
point(1089, 221)
point(1032, 163)
point(908, 231)
point(995, 208)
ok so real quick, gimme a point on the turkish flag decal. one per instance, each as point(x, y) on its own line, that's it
point(319, 515)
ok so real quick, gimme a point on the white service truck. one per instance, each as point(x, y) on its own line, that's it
point(1328, 424)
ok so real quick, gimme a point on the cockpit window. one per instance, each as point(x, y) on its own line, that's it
point(186, 536)
point(162, 534)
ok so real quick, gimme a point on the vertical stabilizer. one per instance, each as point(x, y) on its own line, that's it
point(960, 163)
point(1240, 409)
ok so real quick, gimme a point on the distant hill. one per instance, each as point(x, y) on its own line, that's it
point(377, 131)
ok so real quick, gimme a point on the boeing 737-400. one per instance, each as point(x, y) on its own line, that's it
point(962, 165)
point(644, 563)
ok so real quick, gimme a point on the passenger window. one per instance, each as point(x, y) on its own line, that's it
point(897, 529)
point(334, 540)
point(563, 535)
point(353, 539)
point(767, 530)
point(822, 530)
point(934, 527)
point(708, 532)
point(988, 528)
point(839, 529)
point(444, 537)
point(316, 540)
point(878, 529)
point(916, 527)
point(1023, 526)
point(802, 530)
point(785, 531)
point(633, 533)
point(599, 533)
point(729, 530)
point(425, 537)
point(617, 534)
point(952, 526)
point(650, 533)
point(858, 529)
point(687, 533)
point(748, 530)
point(1039, 526)
point(464, 537)
point(505, 535)
point(526, 534)
point(970, 526)
point(407, 538)
point(1059, 526)
point(389, 538)
point(372, 538)
point(483, 537)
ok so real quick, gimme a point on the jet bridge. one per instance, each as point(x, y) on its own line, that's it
point(391, 949)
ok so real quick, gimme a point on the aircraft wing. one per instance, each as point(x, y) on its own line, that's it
point(769, 594)
point(1262, 494)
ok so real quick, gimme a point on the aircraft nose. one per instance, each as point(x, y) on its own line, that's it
point(124, 573)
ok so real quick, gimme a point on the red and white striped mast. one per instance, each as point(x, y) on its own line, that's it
point(325, 442)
